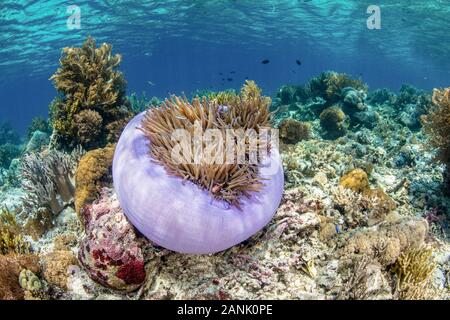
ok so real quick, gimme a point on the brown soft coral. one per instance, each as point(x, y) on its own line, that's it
point(293, 131)
point(387, 241)
point(11, 265)
point(437, 124)
point(355, 180)
point(93, 172)
point(93, 96)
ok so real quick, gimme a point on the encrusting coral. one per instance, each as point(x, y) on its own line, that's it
point(355, 180)
point(93, 173)
point(110, 252)
point(93, 108)
point(225, 181)
point(49, 180)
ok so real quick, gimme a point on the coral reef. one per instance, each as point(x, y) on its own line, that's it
point(92, 174)
point(55, 267)
point(293, 131)
point(332, 121)
point(8, 134)
point(38, 124)
point(8, 152)
point(437, 124)
point(93, 108)
point(11, 239)
point(355, 180)
point(413, 270)
point(110, 251)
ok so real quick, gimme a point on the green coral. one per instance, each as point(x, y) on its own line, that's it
point(92, 108)
point(29, 281)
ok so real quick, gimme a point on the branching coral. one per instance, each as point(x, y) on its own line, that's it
point(224, 181)
point(49, 180)
point(413, 269)
point(93, 173)
point(93, 106)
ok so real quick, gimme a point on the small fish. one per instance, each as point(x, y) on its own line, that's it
point(338, 230)
point(230, 79)
point(151, 83)
point(232, 72)
point(298, 62)
point(223, 79)
point(246, 78)
point(220, 73)
point(265, 61)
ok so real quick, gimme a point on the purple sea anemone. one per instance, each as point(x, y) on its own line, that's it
point(185, 215)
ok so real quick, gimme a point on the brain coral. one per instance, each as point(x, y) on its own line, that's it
point(93, 105)
point(196, 207)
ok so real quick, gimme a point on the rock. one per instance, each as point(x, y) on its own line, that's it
point(110, 251)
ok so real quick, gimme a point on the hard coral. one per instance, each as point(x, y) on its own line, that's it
point(11, 266)
point(413, 270)
point(93, 101)
point(110, 251)
point(93, 173)
point(437, 124)
point(293, 131)
point(386, 242)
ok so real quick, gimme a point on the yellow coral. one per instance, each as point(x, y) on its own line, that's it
point(93, 96)
point(413, 270)
point(93, 171)
point(332, 121)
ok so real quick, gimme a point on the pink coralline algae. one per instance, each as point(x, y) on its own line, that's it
point(110, 251)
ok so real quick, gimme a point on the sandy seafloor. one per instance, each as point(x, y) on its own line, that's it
point(304, 251)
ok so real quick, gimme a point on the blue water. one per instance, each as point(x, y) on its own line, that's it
point(177, 46)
